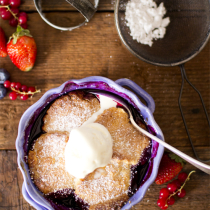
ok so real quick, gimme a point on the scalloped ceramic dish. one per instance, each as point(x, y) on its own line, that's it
point(30, 192)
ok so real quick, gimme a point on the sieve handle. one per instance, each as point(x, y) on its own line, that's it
point(184, 77)
point(85, 7)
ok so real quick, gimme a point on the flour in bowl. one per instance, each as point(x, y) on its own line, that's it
point(146, 21)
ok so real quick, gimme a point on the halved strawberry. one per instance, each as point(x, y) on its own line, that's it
point(3, 48)
point(170, 166)
point(22, 49)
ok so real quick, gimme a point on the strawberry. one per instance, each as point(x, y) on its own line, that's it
point(170, 166)
point(22, 49)
point(3, 49)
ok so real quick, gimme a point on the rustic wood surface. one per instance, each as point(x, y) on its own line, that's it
point(96, 49)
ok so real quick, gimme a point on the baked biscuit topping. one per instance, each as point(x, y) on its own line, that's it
point(128, 142)
point(106, 187)
point(47, 163)
point(69, 111)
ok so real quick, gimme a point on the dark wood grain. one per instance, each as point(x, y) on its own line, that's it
point(11, 183)
point(96, 49)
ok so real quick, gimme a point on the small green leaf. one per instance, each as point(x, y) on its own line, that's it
point(14, 41)
point(176, 158)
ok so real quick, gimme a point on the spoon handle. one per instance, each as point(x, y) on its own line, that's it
point(197, 164)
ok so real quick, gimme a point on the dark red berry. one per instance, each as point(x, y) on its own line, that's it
point(24, 88)
point(162, 203)
point(14, 3)
point(172, 187)
point(23, 14)
point(12, 95)
point(13, 22)
point(12, 85)
point(177, 183)
point(23, 97)
point(182, 177)
point(171, 201)
point(182, 193)
point(164, 193)
point(22, 20)
point(17, 85)
point(7, 84)
point(4, 2)
point(25, 25)
point(5, 14)
point(15, 11)
point(31, 89)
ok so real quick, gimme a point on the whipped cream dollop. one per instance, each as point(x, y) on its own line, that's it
point(89, 146)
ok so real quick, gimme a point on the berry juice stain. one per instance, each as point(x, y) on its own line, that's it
point(66, 199)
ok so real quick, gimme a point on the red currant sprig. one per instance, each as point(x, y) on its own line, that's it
point(9, 11)
point(22, 90)
point(166, 197)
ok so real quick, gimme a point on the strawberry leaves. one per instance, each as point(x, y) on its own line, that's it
point(20, 32)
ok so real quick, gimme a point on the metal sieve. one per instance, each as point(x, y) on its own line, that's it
point(85, 7)
point(186, 35)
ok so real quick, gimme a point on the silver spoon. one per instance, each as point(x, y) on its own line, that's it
point(202, 166)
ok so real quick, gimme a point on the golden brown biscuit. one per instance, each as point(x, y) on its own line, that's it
point(105, 185)
point(69, 111)
point(128, 142)
point(47, 163)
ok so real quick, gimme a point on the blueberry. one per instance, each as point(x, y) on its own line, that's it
point(3, 91)
point(4, 75)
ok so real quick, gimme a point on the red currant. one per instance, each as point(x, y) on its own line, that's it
point(4, 2)
point(177, 183)
point(164, 193)
point(25, 25)
point(5, 14)
point(31, 89)
point(162, 203)
point(182, 193)
point(1, 9)
point(23, 14)
point(17, 85)
point(7, 84)
point(23, 97)
point(13, 22)
point(14, 3)
point(182, 177)
point(24, 88)
point(22, 20)
point(171, 201)
point(12, 95)
point(12, 85)
point(172, 187)
point(15, 11)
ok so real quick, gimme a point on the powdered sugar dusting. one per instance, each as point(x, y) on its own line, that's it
point(146, 21)
point(46, 163)
point(113, 183)
point(69, 112)
point(128, 142)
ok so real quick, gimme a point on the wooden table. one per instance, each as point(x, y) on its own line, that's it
point(95, 49)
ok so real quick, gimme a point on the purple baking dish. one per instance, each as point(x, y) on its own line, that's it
point(30, 192)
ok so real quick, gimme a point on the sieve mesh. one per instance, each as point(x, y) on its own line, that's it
point(186, 34)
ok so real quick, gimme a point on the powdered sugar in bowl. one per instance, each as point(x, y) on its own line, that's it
point(30, 191)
